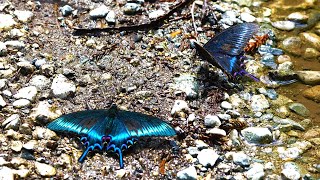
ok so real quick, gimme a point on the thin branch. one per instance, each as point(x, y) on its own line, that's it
point(152, 24)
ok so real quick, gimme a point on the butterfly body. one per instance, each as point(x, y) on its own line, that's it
point(110, 129)
point(226, 49)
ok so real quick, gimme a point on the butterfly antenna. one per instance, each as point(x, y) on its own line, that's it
point(84, 154)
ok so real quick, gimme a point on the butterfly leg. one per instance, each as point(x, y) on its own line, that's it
point(84, 154)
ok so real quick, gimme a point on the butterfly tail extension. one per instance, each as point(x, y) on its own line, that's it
point(119, 152)
point(245, 73)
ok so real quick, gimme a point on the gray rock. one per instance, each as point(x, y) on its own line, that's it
point(29, 93)
point(25, 67)
point(3, 49)
point(226, 105)
point(156, 14)
point(291, 171)
point(121, 173)
point(99, 12)
point(6, 21)
point(224, 117)
point(207, 157)
point(189, 173)
point(16, 33)
point(255, 172)
point(40, 81)
point(263, 49)
point(212, 121)
point(259, 103)
point(216, 132)
point(188, 84)
point(179, 106)
point(131, 8)
point(44, 133)
point(200, 144)
point(111, 17)
point(271, 93)
point(61, 87)
point(6, 173)
point(23, 16)
point(299, 109)
point(16, 146)
point(44, 112)
point(268, 60)
point(294, 124)
point(193, 151)
point(191, 117)
point(246, 17)
point(240, 158)
point(294, 151)
point(45, 169)
point(15, 45)
point(66, 10)
point(30, 145)
point(11, 122)
point(39, 62)
point(2, 102)
point(309, 77)
point(257, 135)
point(284, 25)
point(286, 66)
point(47, 70)
point(267, 117)
point(21, 103)
point(236, 101)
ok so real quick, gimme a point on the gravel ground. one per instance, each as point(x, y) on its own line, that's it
point(47, 71)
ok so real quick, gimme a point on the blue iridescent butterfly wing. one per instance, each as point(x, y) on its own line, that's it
point(116, 127)
point(129, 126)
point(226, 48)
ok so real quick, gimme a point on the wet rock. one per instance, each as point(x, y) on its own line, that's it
point(255, 172)
point(299, 109)
point(23, 16)
point(2, 102)
point(259, 102)
point(312, 133)
point(311, 54)
point(285, 68)
point(111, 17)
point(44, 133)
point(226, 105)
point(21, 103)
point(240, 158)
point(281, 101)
point(294, 151)
point(131, 8)
point(66, 10)
point(246, 17)
point(292, 45)
point(99, 12)
point(311, 38)
point(61, 87)
point(12, 122)
point(188, 84)
point(312, 93)
point(283, 58)
point(271, 93)
point(294, 124)
point(6, 21)
point(284, 25)
point(257, 135)
point(45, 169)
point(298, 16)
point(309, 77)
point(268, 60)
point(207, 157)
point(263, 49)
point(156, 14)
point(189, 173)
point(29, 93)
point(179, 106)
point(16, 146)
point(212, 121)
point(291, 171)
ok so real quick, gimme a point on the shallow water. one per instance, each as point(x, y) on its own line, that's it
point(280, 10)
